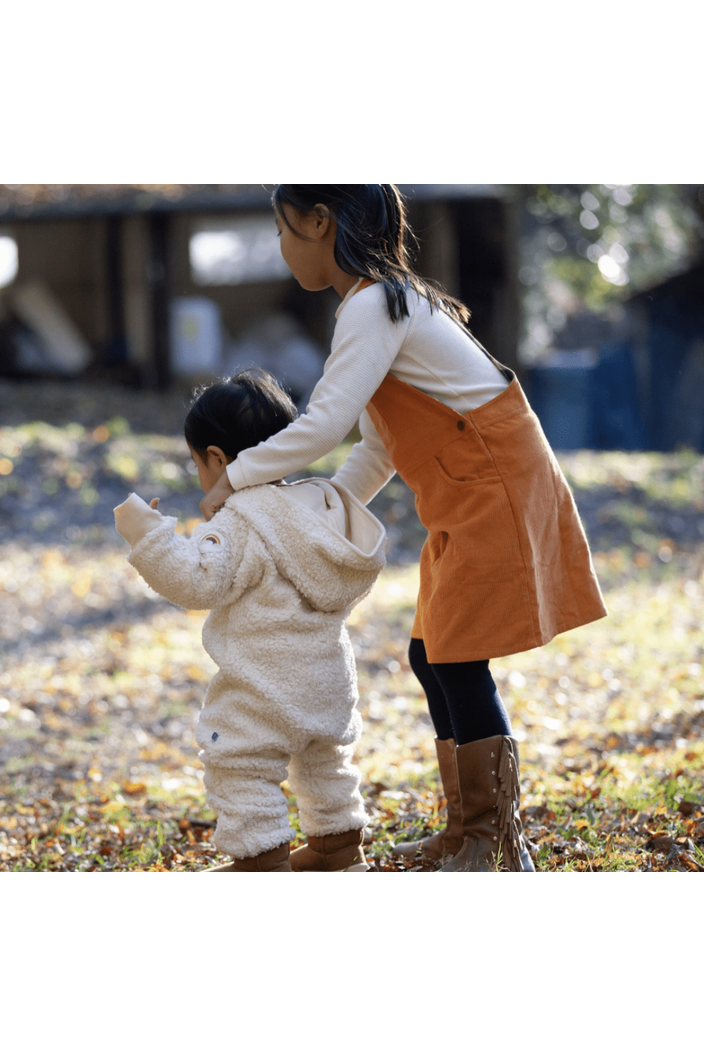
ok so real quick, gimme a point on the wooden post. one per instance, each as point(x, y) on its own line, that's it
point(160, 297)
point(116, 346)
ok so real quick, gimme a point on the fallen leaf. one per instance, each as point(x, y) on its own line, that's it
point(660, 844)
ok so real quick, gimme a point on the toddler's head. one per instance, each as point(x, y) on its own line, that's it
point(231, 415)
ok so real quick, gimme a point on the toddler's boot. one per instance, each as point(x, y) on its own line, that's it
point(490, 792)
point(276, 861)
point(341, 852)
point(449, 840)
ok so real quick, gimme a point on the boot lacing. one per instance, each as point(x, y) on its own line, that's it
point(506, 802)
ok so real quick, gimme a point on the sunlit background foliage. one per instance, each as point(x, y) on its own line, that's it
point(588, 247)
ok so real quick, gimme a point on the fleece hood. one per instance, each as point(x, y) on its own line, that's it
point(319, 536)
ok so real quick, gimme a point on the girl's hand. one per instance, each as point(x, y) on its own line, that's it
point(216, 497)
point(154, 503)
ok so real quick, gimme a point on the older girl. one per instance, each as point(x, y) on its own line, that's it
point(506, 565)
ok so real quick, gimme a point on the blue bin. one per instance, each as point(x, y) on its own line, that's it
point(563, 399)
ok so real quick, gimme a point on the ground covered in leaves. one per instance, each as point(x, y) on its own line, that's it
point(101, 681)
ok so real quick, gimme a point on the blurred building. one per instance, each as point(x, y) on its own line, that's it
point(667, 350)
point(144, 284)
point(636, 384)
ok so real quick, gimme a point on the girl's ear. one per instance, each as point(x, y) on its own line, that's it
point(319, 221)
point(215, 456)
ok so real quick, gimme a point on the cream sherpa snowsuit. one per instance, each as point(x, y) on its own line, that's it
point(280, 567)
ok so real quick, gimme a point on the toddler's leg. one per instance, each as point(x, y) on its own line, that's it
point(326, 784)
point(251, 808)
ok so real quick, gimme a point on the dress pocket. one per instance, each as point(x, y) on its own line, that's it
point(463, 463)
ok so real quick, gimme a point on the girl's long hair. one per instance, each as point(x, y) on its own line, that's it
point(374, 239)
point(238, 413)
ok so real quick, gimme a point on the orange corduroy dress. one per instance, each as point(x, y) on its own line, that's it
point(506, 565)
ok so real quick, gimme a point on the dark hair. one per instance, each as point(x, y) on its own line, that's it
point(237, 413)
point(374, 239)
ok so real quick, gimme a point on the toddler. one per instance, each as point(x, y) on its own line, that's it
point(280, 567)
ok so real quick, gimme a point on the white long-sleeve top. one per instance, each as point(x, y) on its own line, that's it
point(425, 349)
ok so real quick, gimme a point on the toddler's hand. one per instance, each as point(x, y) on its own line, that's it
point(133, 518)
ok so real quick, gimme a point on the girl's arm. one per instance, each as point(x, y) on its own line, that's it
point(368, 467)
point(365, 345)
point(200, 572)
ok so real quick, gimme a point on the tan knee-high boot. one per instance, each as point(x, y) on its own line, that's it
point(275, 861)
point(342, 852)
point(490, 791)
point(448, 840)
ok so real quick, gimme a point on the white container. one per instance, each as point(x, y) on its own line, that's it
point(62, 346)
point(195, 335)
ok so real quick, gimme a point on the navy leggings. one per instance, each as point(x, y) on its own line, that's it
point(463, 700)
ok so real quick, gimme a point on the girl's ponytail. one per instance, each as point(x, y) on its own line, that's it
point(374, 239)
